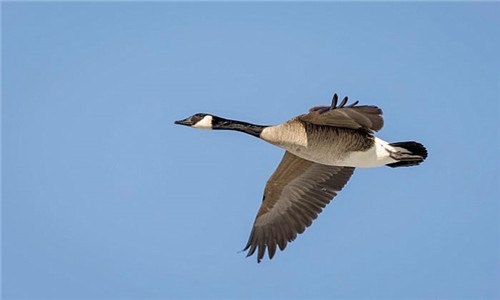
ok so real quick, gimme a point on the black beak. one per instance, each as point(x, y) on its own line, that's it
point(185, 122)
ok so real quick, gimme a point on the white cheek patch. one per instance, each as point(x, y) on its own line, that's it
point(205, 123)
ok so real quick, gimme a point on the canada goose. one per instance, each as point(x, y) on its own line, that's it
point(322, 149)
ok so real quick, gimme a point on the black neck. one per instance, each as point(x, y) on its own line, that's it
point(226, 124)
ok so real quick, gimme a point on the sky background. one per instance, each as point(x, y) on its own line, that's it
point(104, 197)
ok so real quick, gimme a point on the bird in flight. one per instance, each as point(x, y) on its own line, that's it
point(322, 149)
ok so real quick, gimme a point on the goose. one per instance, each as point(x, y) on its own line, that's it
point(322, 149)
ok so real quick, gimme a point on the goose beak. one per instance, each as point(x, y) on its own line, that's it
point(185, 122)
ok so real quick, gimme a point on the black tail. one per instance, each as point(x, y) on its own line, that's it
point(408, 154)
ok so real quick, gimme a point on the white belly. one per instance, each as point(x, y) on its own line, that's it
point(376, 156)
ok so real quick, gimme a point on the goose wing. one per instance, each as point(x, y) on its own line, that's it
point(294, 196)
point(351, 116)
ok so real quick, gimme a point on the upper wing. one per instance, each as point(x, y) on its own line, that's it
point(294, 196)
point(351, 116)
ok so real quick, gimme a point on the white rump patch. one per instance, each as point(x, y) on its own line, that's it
point(376, 156)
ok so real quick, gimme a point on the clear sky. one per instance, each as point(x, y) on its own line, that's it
point(104, 197)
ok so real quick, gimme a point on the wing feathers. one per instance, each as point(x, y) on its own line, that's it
point(294, 196)
point(351, 116)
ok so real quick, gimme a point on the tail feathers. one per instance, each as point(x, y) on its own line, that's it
point(408, 154)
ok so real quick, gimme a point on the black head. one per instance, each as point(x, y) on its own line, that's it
point(201, 120)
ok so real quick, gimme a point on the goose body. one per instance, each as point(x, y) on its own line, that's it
point(329, 145)
point(323, 147)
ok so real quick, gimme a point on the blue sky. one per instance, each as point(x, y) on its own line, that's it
point(104, 197)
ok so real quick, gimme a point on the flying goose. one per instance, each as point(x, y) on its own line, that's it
point(322, 149)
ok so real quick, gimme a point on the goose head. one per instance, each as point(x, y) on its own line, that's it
point(207, 121)
point(201, 121)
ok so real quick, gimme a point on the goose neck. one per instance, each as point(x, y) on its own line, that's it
point(227, 124)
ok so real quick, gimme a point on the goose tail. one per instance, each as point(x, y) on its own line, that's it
point(407, 154)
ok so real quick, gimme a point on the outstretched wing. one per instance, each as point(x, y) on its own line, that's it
point(351, 116)
point(294, 196)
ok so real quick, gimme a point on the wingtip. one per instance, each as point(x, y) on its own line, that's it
point(353, 104)
point(342, 104)
point(335, 99)
point(259, 259)
point(344, 101)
